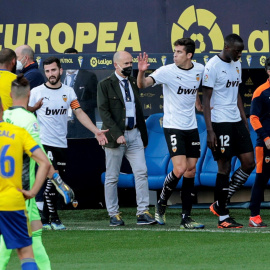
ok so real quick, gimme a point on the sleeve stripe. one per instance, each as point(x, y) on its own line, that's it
point(34, 148)
point(255, 122)
point(259, 159)
point(260, 89)
point(75, 104)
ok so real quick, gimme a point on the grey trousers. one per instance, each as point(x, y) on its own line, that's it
point(134, 152)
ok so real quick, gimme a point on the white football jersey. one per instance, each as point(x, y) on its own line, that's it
point(53, 114)
point(180, 87)
point(224, 78)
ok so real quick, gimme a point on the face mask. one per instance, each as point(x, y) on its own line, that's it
point(19, 65)
point(126, 71)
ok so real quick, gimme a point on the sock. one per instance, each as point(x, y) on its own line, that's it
point(221, 218)
point(186, 196)
point(50, 203)
point(169, 185)
point(221, 190)
point(4, 253)
point(40, 253)
point(29, 264)
point(238, 179)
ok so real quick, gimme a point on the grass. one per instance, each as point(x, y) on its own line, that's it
point(89, 243)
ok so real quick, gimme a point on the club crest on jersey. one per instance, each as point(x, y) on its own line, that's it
point(174, 149)
point(237, 69)
point(267, 159)
point(222, 149)
point(64, 98)
point(198, 77)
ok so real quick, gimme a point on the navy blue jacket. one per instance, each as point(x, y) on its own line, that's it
point(33, 75)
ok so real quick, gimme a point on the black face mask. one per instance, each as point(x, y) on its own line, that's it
point(126, 71)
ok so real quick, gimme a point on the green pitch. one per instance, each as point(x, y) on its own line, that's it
point(89, 243)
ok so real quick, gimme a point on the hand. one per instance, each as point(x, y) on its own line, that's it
point(121, 140)
point(200, 107)
point(27, 194)
point(38, 104)
point(143, 62)
point(267, 144)
point(211, 140)
point(101, 138)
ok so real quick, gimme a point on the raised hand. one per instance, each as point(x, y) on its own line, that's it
point(143, 62)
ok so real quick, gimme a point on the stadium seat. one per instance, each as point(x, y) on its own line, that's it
point(156, 153)
point(209, 169)
point(125, 180)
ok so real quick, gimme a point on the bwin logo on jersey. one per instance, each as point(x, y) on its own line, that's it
point(186, 91)
point(55, 111)
point(232, 83)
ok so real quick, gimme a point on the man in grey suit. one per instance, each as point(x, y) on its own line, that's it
point(121, 112)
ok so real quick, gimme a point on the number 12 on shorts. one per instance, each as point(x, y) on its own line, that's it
point(224, 140)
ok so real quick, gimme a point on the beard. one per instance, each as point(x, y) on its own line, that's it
point(54, 80)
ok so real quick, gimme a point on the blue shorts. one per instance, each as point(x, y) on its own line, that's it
point(15, 228)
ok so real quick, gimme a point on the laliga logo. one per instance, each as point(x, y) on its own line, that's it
point(38, 59)
point(93, 62)
point(200, 17)
point(80, 60)
point(262, 60)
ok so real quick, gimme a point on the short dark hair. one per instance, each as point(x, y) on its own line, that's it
point(20, 86)
point(232, 38)
point(188, 43)
point(70, 50)
point(267, 64)
point(7, 55)
point(51, 60)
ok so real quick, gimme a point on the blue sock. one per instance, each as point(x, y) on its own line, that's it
point(29, 264)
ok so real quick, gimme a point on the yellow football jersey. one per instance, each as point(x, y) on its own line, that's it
point(6, 78)
point(14, 141)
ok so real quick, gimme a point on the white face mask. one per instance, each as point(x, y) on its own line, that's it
point(19, 65)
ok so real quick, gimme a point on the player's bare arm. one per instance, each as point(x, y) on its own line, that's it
point(142, 81)
point(42, 172)
point(211, 136)
point(86, 121)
